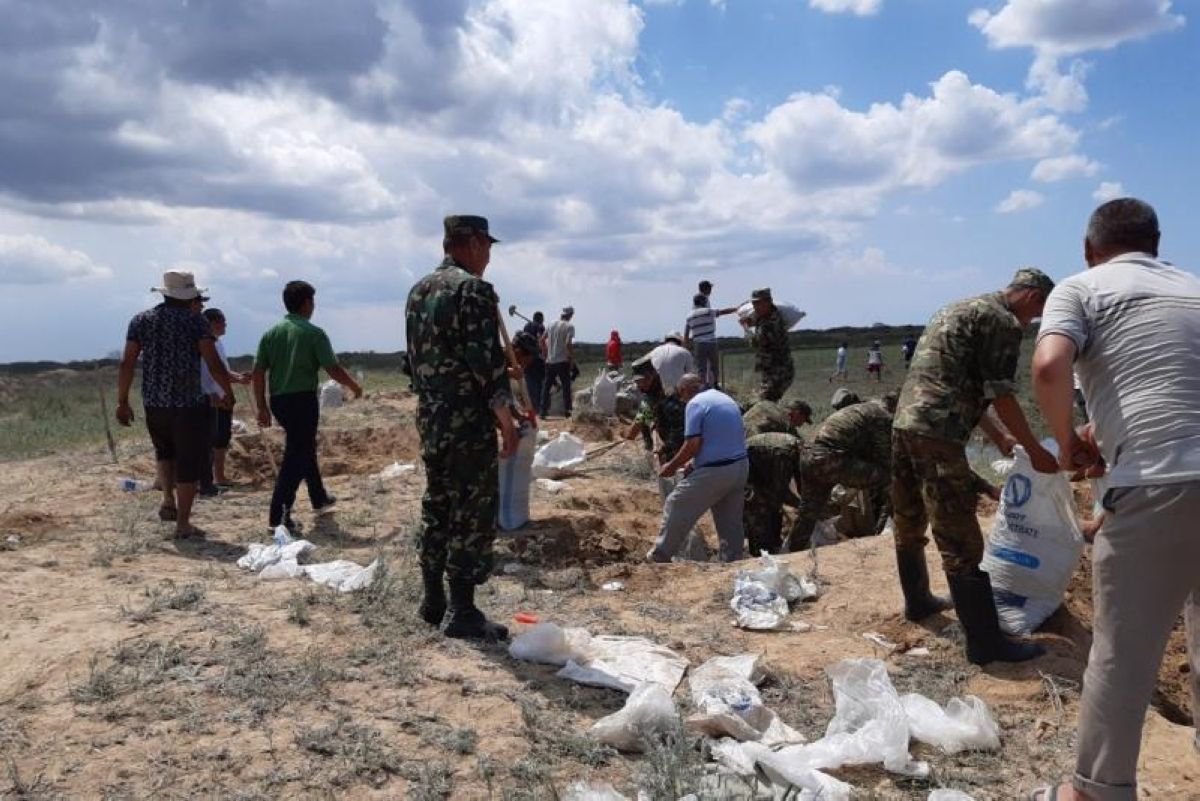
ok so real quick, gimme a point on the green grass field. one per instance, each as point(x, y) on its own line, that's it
point(59, 410)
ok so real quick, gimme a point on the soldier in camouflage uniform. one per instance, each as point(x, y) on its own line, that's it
point(853, 448)
point(775, 459)
point(773, 355)
point(767, 416)
point(658, 413)
point(462, 383)
point(965, 362)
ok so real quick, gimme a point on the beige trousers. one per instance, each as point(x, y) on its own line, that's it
point(1146, 570)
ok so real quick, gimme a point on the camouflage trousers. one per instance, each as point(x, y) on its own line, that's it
point(774, 381)
point(820, 471)
point(762, 518)
point(932, 484)
point(458, 510)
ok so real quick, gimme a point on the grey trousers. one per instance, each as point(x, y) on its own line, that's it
point(1146, 569)
point(719, 489)
point(708, 363)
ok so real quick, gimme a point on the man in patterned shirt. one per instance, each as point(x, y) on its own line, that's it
point(171, 340)
point(965, 362)
point(462, 385)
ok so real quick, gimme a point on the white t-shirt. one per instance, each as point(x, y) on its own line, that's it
point(671, 362)
point(207, 383)
point(1135, 322)
point(558, 334)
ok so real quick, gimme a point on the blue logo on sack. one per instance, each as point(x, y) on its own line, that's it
point(1018, 490)
point(1017, 557)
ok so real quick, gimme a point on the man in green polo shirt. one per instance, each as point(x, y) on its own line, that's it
point(290, 354)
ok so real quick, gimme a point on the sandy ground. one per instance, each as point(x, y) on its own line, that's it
point(137, 667)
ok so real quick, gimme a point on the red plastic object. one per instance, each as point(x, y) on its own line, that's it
point(526, 617)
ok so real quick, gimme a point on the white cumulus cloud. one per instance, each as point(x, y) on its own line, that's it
point(1061, 168)
point(1020, 200)
point(1074, 26)
point(861, 8)
point(26, 259)
point(1108, 190)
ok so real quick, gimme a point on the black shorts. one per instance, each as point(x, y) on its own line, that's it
point(222, 426)
point(180, 436)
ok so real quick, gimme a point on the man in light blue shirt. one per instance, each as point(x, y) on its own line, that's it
point(715, 444)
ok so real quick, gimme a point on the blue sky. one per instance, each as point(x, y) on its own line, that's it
point(867, 159)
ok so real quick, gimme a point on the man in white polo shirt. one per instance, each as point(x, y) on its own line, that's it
point(560, 355)
point(1129, 325)
point(716, 445)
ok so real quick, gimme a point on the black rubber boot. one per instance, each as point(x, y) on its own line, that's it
point(466, 621)
point(976, 609)
point(919, 602)
point(433, 605)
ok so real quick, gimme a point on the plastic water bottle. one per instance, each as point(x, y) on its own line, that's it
point(133, 485)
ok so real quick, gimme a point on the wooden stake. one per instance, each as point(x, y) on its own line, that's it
point(112, 445)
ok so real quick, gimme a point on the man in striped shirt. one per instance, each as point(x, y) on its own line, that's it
point(700, 332)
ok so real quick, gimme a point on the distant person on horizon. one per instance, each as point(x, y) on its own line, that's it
point(700, 333)
point(875, 360)
point(560, 358)
point(612, 351)
point(907, 348)
point(172, 340)
point(289, 355)
point(840, 372)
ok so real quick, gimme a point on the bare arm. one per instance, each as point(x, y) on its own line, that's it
point(125, 381)
point(1010, 414)
point(339, 374)
point(1003, 440)
point(259, 381)
point(1055, 389)
point(691, 446)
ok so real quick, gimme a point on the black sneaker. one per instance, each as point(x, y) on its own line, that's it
point(325, 508)
point(211, 491)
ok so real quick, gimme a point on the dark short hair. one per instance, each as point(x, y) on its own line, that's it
point(296, 294)
point(213, 314)
point(1125, 224)
point(705, 286)
point(538, 317)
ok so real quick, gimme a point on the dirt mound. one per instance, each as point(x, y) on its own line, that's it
point(583, 540)
point(358, 451)
point(591, 427)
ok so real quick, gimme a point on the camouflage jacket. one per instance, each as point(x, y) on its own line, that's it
point(765, 417)
point(774, 465)
point(863, 431)
point(770, 340)
point(454, 346)
point(966, 358)
point(664, 414)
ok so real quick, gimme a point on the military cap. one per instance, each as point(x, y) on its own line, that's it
point(799, 406)
point(761, 294)
point(642, 366)
point(526, 342)
point(459, 224)
point(1033, 278)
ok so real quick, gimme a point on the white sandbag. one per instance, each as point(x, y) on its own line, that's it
point(1034, 547)
point(869, 724)
point(331, 395)
point(394, 470)
point(550, 644)
point(623, 663)
point(790, 314)
point(648, 714)
point(550, 486)
point(724, 691)
point(758, 607)
point(342, 575)
point(775, 575)
point(948, 795)
point(964, 725)
point(259, 556)
point(604, 391)
point(516, 474)
point(582, 791)
point(558, 456)
point(782, 770)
